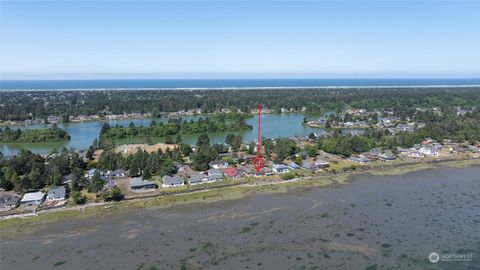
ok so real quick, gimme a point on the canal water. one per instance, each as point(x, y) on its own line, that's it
point(83, 134)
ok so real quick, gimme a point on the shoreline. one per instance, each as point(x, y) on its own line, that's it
point(236, 88)
point(25, 224)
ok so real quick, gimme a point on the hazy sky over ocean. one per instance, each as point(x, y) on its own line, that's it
point(288, 38)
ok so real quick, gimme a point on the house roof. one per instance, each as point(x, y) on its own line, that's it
point(217, 162)
point(119, 171)
point(230, 172)
point(169, 180)
point(33, 196)
point(280, 167)
point(307, 165)
point(214, 171)
point(139, 182)
point(197, 178)
point(293, 165)
point(6, 199)
point(56, 192)
point(321, 162)
point(110, 184)
point(214, 177)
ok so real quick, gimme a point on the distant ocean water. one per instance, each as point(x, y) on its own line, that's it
point(221, 83)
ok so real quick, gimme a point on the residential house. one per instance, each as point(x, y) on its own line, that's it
point(280, 168)
point(214, 177)
point(473, 148)
point(293, 166)
point(253, 173)
point(320, 163)
point(197, 179)
point(360, 159)
point(67, 179)
point(428, 151)
point(372, 154)
point(414, 153)
point(90, 173)
point(231, 172)
point(308, 165)
point(303, 154)
point(32, 198)
point(405, 128)
point(214, 172)
point(172, 181)
point(109, 186)
point(8, 202)
point(56, 193)
point(218, 164)
point(118, 173)
point(138, 183)
point(387, 155)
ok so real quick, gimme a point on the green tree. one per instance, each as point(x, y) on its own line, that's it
point(96, 184)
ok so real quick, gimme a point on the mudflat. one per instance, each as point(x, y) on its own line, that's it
point(375, 222)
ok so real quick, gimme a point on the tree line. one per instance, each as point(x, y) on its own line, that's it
point(38, 104)
point(52, 134)
point(175, 127)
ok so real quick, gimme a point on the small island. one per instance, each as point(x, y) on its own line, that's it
point(52, 134)
point(177, 126)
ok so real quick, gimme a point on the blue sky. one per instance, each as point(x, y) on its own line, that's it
point(252, 38)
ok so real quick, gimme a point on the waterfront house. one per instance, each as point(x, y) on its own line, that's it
point(172, 181)
point(214, 177)
point(8, 202)
point(428, 151)
point(56, 194)
point(197, 179)
point(138, 183)
point(32, 198)
point(387, 155)
point(218, 164)
point(280, 168)
point(320, 163)
point(360, 159)
point(293, 166)
point(473, 148)
point(308, 166)
point(414, 153)
point(264, 172)
point(214, 172)
point(231, 172)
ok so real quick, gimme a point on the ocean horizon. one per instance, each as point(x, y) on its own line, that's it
point(112, 84)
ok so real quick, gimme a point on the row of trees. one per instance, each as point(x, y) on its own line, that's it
point(27, 170)
point(53, 134)
point(174, 127)
point(38, 104)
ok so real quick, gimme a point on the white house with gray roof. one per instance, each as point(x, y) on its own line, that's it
point(280, 168)
point(197, 179)
point(172, 181)
point(33, 198)
point(56, 194)
point(8, 202)
point(214, 172)
point(138, 183)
